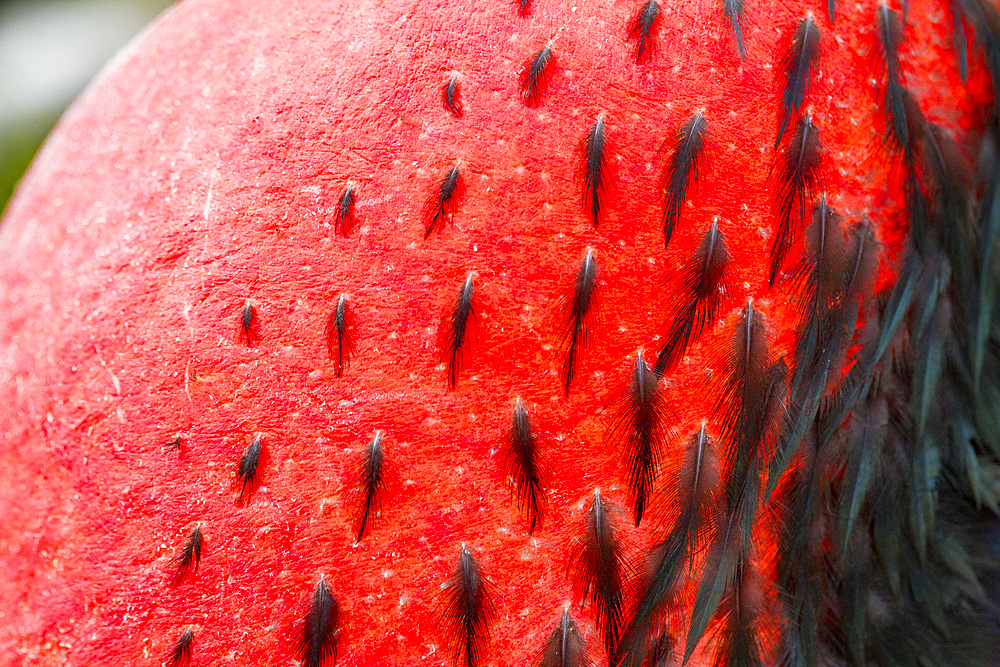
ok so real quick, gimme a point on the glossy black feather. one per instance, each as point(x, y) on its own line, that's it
point(440, 206)
point(595, 171)
point(683, 170)
point(564, 646)
point(692, 491)
point(704, 284)
point(338, 339)
point(640, 29)
point(795, 71)
point(189, 558)
point(582, 304)
point(600, 571)
point(796, 175)
point(889, 27)
point(343, 218)
point(639, 432)
point(533, 79)
point(320, 636)
point(247, 472)
point(739, 632)
point(249, 325)
point(461, 318)
point(452, 97)
point(182, 650)
point(734, 13)
point(469, 610)
point(522, 462)
point(372, 486)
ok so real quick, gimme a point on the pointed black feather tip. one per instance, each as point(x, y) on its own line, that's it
point(182, 650)
point(460, 322)
point(582, 304)
point(469, 610)
point(639, 432)
point(249, 325)
point(740, 636)
point(682, 171)
point(339, 343)
point(522, 462)
point(641, 30)
point(734, 14)
point(372, 485)
point(320, 636)
point(452, 95)
point(248, 470)
point(703, 287)
point(565, 647)
point(441, 205)
point(189, 558)
point(600, 570)
point(796, 70)
point(893, 92)
point(535, 76)
point(175, 443)
point(343, 217)
point(595, 176)
point(796, 176)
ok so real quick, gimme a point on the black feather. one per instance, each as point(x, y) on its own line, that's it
point(534, 77)
point(189, 558)
point(739, 632)
point(683, 170)
point(321, 630)
point(639, 432)
point(372, 484)
point(452, 97)
point(734, 13)
point(182, 650)
point(523, 463)
point(249, 325)
point(796, 70)
point(959, 39)
point(565, 647)
point(343, 218)
point(661, 650)
point(247, 472)
point(891, 77)
point(797, 176)
point(640, 29)
point(581, 305)
point(693, 491)
point(461, 317)
point(600, 571)
point(440, 206)
point(831, 10)
point(704, 284)
point(338, 338)
point(469, 610)
point(175, 442)
point(595, 172)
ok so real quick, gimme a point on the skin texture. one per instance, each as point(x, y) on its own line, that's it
point(202, 171)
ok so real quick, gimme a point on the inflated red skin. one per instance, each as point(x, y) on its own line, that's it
point(203, 168)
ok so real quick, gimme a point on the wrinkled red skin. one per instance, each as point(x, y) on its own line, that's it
point(202, 169)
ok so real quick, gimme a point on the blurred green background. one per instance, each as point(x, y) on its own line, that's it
point(49, 50)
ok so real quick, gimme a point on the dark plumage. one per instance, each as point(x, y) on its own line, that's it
point(338, 339)
point(534, 77)
point(522, 462)
point(461, 317)
point(640, 29)
point(734, 13)
point(889, 28)
point(452, 98)
point(565, 647)
point(248, 470)
point(582, 304)
point(189, 558)
point(249, 325)
point(469, 610)
point(595, 171)
point(320, 636)
point(182, 650)
point(683, 170)
point(795, 71)
point(440, 205)
point(343, 217)
point(371, 485)
point(703, 286)
point(600, 571)
point(796, 175)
